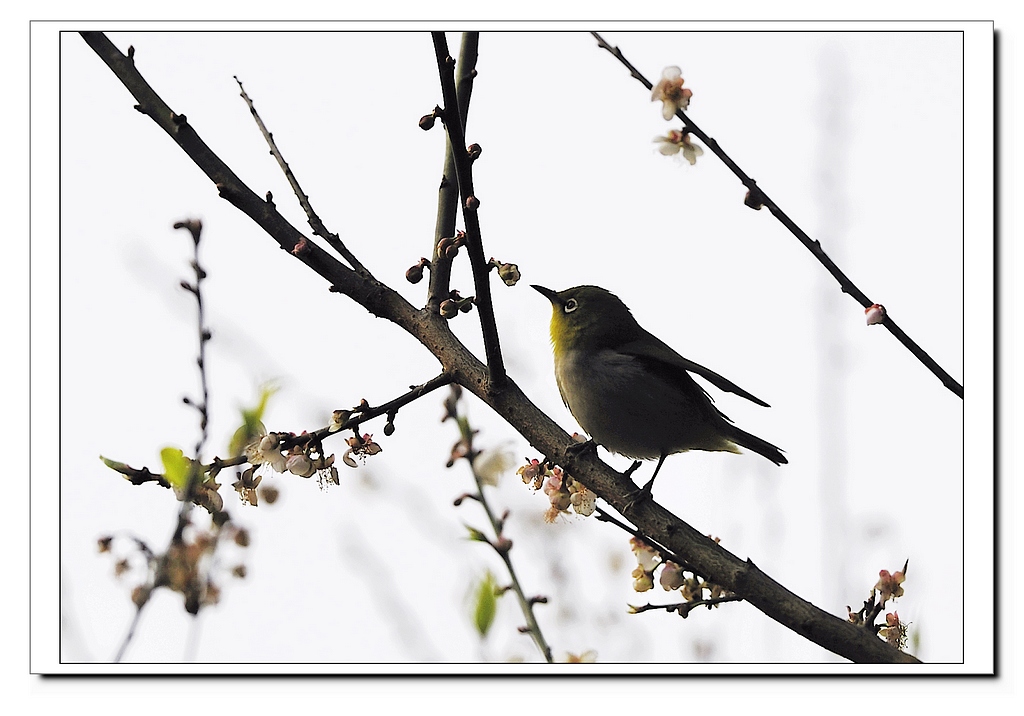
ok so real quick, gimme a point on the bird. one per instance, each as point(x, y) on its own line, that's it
point(630, 391)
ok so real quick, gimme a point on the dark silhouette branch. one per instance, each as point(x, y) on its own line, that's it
point(683, 609)
point(448, 192)
point(463, 168)
point(364, 412)
point(430, 329)
point(757, 198)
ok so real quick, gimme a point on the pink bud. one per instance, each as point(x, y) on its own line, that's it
point(875, 313)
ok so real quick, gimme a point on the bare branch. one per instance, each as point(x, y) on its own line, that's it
point(448, 192)
point(683, 609)
point(363, 413)
point(470, 203)
point(314, 221)
point(757, 198)
point(501, 545)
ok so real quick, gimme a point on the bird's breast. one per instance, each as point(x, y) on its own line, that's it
point(612, 398)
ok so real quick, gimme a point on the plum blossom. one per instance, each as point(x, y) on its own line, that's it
point(265, 450)
point(678, 142)
point(671, 93)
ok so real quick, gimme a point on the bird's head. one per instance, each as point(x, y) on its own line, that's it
point(588, 317)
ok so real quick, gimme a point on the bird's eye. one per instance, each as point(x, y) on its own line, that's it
point(571, 305)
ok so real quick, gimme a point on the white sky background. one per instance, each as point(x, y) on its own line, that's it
point(856, 135)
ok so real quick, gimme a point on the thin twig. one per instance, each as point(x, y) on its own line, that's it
point(363, 413)
point(314, 220)
point(497, 524)
point(139, 476)
point(131, 633)
point(195, 475)
point(684, 608)
point(474, 243)
point(666, 554)
point(757, 198)
point(195, 228)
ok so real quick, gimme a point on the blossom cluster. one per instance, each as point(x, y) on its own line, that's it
point(889, 587)
point(562, 489)
point(673, 576)
point(187, 567)
point(671, 93)
point(674, 97)
point(305, 460)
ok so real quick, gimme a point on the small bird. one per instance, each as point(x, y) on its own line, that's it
point(631, 392)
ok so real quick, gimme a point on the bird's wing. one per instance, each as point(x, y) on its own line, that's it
point(655, 352)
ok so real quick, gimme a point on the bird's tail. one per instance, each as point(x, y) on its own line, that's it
point(756, 444)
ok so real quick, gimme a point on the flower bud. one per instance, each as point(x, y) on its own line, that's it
point(443, 245)
point(509, 274)
point(414, 274)
point(560, 500)
point(672, 576)
point(299, 465)
point(449, 309)
point(875, 313)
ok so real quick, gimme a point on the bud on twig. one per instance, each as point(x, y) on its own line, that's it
point(875, 313)
point(427, 121)
point(415, 273)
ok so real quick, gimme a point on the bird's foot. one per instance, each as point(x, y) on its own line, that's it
point(641, 495)
point(575, 449)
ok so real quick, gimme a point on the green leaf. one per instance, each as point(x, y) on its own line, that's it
point(176, 467)
point(486, 604)
point(115, 465)
point(252, 422)
point(476, 535)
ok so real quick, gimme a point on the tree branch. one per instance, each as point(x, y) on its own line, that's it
point(706, 557)
point(314, 220)
point(470, 203)
point(501, 544)
point(448, 192)
point(757, 198)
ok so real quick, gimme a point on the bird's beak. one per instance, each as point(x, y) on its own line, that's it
point(547, 293)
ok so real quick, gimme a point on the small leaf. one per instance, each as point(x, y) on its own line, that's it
point(486, 604)
point(175, 467)
point(115, 465)
point(476, 535)
point(252, 424)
